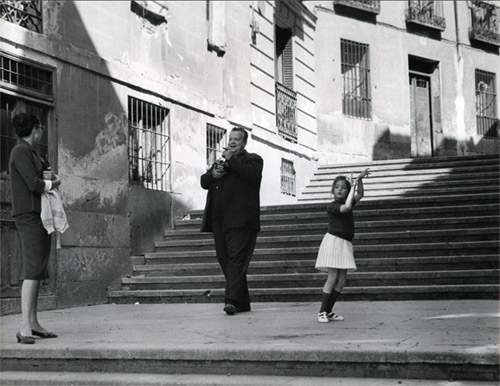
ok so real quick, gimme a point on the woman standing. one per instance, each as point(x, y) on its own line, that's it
point(29, 178)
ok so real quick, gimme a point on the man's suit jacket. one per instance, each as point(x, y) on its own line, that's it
point(26, 178)
point(238, 191)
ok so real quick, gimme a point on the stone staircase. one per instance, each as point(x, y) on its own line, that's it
point(426, 229)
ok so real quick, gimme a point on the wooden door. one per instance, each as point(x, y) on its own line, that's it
point(10, 245)
point(421, 115)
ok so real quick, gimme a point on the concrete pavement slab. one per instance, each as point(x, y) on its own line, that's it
point(460, 333)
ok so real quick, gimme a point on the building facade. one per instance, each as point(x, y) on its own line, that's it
point(138, 98)
point(401, 79)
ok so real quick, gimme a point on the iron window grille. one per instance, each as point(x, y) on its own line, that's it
point(26, 88)
point(485, 22)
point(372, 6)
point(288, 180)
point(27, 14)
point(26, 77)
point(216, 142)
point(428, 13)
point(149, 144)
point(486, 104)
point(355, 67)
point(286, 98)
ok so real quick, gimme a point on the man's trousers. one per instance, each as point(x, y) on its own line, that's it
point(234, 248)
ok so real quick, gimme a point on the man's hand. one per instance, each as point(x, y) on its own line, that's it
point(227, 154)
point(216, 173)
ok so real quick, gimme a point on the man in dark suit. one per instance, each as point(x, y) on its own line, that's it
point(232, 213)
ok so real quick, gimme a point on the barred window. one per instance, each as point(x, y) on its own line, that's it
point(216, 142)
point(356, 95)
point(27, 14)
point(287, 178)
point(25, 88)
point(20, 75)
point(486, 104)
point(149, 144)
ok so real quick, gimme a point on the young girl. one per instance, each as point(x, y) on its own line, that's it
point(335, 254)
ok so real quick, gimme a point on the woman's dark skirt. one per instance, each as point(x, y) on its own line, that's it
point(35, 246)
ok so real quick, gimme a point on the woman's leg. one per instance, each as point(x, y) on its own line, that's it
point(29, 294)
point(35, 324)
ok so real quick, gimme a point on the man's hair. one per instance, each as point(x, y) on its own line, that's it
point(341, 178)
point(241, 130)
point(24, 124)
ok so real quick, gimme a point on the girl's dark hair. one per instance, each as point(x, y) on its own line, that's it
point(341, 178)
point(24, 124)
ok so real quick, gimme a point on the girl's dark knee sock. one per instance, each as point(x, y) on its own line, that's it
point(331, 301)
point(325, 301)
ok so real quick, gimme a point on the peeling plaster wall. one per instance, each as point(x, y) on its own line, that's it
point(92, 150)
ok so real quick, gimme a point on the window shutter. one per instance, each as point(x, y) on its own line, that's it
point(288, 65)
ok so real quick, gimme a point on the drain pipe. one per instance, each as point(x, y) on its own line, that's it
point(461, 145)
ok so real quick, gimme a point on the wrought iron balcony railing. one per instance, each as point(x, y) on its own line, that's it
point(485, 25)
point(27, 14)
point(372, 6)
point(286, 106)
point(428, 13)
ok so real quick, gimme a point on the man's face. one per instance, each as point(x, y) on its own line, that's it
point(236, 142)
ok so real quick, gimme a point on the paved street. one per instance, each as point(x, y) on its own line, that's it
point(405, 331)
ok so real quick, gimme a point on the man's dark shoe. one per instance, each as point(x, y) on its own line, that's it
point(229, 309)
point(242, 309)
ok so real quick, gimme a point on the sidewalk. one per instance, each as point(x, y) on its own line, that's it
point(453, 339)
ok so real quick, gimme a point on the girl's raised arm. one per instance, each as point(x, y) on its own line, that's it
point(360, 189)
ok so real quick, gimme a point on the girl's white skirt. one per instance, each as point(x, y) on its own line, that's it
point(335, 252)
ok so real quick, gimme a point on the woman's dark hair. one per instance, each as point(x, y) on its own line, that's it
point(341, 178)
point(241, 130)
point(24, 124)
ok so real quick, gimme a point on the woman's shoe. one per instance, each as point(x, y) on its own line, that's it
point(24, 339)
point(44, 335)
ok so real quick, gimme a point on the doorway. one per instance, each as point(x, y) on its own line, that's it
point(421, 115)
point(425, 116)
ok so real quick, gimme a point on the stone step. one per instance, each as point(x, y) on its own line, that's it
point(283, 280)
point(395, 177)
point(469, 185)
point(429, 191)
point(360, 251)
point(307, 294)
point(309, 227)
point(408, 341)
point(362, 238)
point(451, 163)
point(307, 266)
point(80, 378)
point(440, 206)
point(423, 231)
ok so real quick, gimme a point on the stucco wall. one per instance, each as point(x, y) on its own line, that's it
point(388, 133)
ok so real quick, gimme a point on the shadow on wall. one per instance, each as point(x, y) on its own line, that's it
point(91, 158)
point(113, 216)
point(396, 146)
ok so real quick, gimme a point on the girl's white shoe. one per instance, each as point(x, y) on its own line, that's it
point(333, 317)
point(323, 318)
